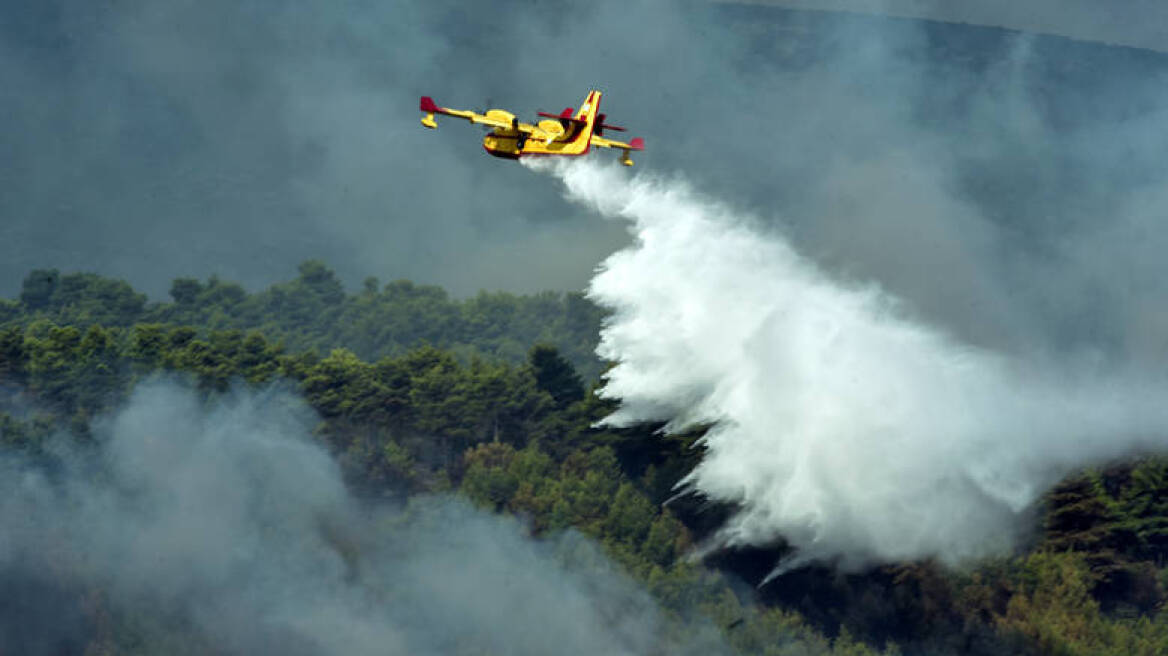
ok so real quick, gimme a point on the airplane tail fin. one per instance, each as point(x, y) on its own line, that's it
point(634, 144)
point(430, 107)
point(589, 107)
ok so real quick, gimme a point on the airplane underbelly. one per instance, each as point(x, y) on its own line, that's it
point(501, 146)
point(506, 145)
point(554, 148)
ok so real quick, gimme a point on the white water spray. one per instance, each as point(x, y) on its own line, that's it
point(840, 425)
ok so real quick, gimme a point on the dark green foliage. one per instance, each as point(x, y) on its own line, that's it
point(185, 291)
point(1145, 500)
point(38, 288)
point(1082, 517)
point(89, 298)
point(417, 393)
point(313, 311)
point(24, 435)
point(321, 283)
point(82, 298)
point(587, 491)
point(71, 371)
point(9, 310)
point(555, 375)
point(13, 357)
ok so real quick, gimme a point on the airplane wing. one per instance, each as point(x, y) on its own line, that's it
point(565, 117)
point(431, 108)
point(634, 144)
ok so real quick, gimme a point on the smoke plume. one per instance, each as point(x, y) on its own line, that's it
point(220, 527)
point(840, 423)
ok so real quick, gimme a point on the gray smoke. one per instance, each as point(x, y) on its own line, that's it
point(221, 527)
point(156, 140)
point(1136, 23)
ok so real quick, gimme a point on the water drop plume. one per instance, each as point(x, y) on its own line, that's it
point(841, 424)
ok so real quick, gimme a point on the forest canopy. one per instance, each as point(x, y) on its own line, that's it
point(490, 398)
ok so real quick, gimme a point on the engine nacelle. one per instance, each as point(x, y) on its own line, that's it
point(500, 115)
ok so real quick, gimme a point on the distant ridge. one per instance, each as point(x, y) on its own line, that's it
point(1142, 25)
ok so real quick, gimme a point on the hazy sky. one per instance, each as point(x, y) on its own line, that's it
point(157, 140)
point(1007, 187)
point(1135, 23)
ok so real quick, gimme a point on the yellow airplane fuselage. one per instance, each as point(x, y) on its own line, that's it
point(564, 134)
point(555, 137)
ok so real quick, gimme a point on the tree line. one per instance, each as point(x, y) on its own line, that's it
point(313, 311)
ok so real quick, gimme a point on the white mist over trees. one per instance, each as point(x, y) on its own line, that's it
point(839, 423)
point(220, 527)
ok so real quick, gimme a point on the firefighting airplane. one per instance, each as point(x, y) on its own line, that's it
point(565, 134)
